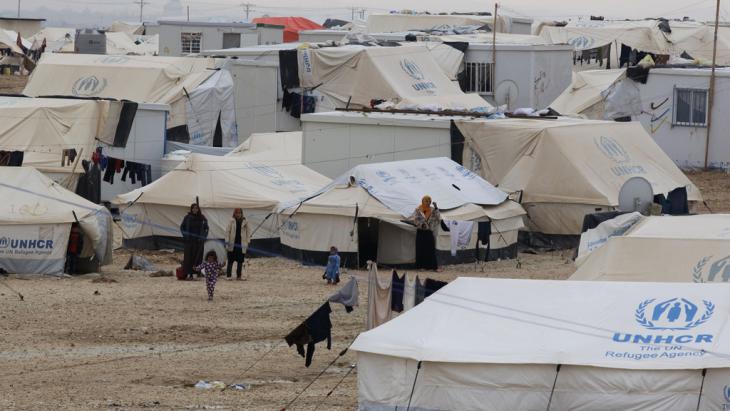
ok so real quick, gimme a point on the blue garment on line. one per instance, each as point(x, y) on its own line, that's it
point(333, 267)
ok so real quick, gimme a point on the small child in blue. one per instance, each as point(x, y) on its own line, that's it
point(332, 272)
point(212, 269)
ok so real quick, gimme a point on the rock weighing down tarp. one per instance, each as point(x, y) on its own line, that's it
point(175, 81)
point(567, 168)
point(408, 76)
point(390, 192)
point(667, 249)
point(257, 176)
point(492, 344)
point(35, 221)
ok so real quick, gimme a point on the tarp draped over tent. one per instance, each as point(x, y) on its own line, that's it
point(142, 79)
point(35, 220)
point(389, 192)
point(57, 39)
point(567, 168)
point(216, 92)
point(406, 75)
point(495, 344)
point(124, 27)
point(263, 172)
point(667, 249)
point(292, 25)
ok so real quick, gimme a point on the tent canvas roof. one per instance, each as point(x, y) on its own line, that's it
point(668, 249)
point(569, 160)
point(504, 321)
point(586, 90)
point(251, 180)
point(144, 79)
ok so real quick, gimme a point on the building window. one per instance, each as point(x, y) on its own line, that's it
point(690, 107)
point(478, 77)
point(190, 42)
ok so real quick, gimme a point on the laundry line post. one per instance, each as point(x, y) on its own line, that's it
point(494, 55)
point(711, 91)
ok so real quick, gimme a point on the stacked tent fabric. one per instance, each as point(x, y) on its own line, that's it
point(35, 221)
point(564, 169)
point(496, 344)
point(667, 248)
point(388, 193)
point(257, 177)
point(192, 87)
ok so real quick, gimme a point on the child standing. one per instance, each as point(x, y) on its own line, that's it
point(75, 245)
point(332, 272)
point(212, 269)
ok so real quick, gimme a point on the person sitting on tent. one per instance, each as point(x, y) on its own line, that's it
point(194, 230)
point(237, 239)
point(426, 219)
point(332, 272)
point(211, 268)
point(75, 245)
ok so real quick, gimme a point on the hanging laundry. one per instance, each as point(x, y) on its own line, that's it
point(396, 292)
point(420, 291)
point(137, 171)
point(11, 158)
point(432, 286)
point(301, 105)
point(68, 156)
point(289, 68)
point(347, 295)
point(114, 166)
point(460, 235)
point(409, 291)
point(379, 311)
point(313, 330)
point(484, 232)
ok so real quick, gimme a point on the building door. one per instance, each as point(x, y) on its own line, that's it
point(231, 40)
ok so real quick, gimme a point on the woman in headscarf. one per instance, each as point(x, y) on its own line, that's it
point(194, 229)
point(237, 239)
point(426, 218)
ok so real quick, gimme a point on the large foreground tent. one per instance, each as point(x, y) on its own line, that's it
point(361, 213)
point(35, 222)
point(496, 344)
point(199, 95)
point(564, 169)
point(667, 249)
point(263, 172)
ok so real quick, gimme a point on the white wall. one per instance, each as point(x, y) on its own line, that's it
point(538, 74)
point(686, 145)
point(212, 36)
point(146, 144)
point(332, 148)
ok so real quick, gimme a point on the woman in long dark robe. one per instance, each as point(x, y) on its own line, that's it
point(426, 218)
point(194, 229)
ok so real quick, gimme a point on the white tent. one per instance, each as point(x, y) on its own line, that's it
point(587, 94)
point(35, 221)
point(142, 79)
point(126, 27)
point(408, 76)
point(567, 168)
point(9, 39)
point(341, 213)
point(57, 39)
point(44, 127)
point(667, 249)
point(263, 172)
point(496, 344)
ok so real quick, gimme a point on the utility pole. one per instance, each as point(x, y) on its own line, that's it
point(494, 56)
point(247, 9)
point(18, 8)
point(141, 8)
point(353, 14)
point(711, 91)
point(188, 13)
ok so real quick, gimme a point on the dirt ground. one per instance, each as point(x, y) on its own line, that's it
point(12, 84)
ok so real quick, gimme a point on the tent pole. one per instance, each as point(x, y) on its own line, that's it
point(552, 391)
point(413, 389)
point(699, 397)
point(494, 56)
point(711, 97)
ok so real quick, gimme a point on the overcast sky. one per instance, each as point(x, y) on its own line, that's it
point(99, 12)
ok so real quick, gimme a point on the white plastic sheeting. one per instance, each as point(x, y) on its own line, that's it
point(210, 101)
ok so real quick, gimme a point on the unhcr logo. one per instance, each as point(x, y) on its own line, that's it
point(412, 69)
point(673, 314)
point(581, 42)
point(4, 242)
point(612, 149)
point(719, 270)
point(88, 86)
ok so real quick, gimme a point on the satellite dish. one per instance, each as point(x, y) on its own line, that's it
point(636, 195)
point(506, 94)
